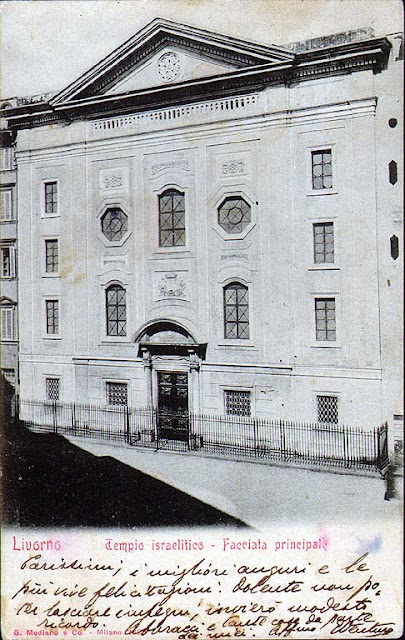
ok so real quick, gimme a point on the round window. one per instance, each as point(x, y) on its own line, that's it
point(114, 223)
point(234, 215)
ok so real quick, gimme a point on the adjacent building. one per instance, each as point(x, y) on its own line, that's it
point(8, 260)
point(210, 225)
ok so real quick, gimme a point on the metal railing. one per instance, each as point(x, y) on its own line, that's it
point(324, 444)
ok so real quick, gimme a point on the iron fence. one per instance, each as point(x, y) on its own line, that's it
point(324, 444)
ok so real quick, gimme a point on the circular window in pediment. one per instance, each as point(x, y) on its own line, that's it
point(168, 66)
point(234, 215)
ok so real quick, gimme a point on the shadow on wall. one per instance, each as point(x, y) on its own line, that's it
point(49, 482)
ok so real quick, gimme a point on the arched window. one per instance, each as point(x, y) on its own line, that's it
point(236, 311)
point(116, 309)
point(172, 225)
point(8, 320)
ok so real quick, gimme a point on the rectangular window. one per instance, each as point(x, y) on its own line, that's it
point(6, 205)
point(8, 329)
point(51, 256)
point(238, 403)
point(52, 316)
point(324, 250)
point(327, 409)
point(6, 159)
point(322, 169)
point(52, 389)
point(7, 261)
point(51, 197)
point(117, 393)
point(325, 319)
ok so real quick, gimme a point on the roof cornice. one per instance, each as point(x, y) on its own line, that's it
point(335, 60)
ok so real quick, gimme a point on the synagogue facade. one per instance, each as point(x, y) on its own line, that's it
point(210, 225)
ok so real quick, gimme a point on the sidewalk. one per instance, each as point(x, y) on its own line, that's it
point(261, 494)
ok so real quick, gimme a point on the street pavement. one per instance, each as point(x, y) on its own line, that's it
point(262, 494)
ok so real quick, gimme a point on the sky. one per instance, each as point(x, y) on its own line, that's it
point(46, 44)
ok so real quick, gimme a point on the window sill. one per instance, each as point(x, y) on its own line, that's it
point(51, 337)
point(45, 216)
point(325, 345)
point(8, 277)
point(159, 251)
point(9, 340)
point(51, 275)
point(238, 344)
point(115, 340)
point(8, 221)
point(323, 192)
point(324, 267)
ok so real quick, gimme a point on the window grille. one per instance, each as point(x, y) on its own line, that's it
point(117, 393)
point(327, 409)
point(51, 256)
point(6, 205)
point(236, 311)
point(325, 318)
point(238, 403)
point(51, 197)
point(8, 328)
point(116, 309)
point(234, 215)
point(7, 264)
point(114, 224)
point(322, 169)
point(172, 226)
point(52, 316)
point(324, 250)
point(52, 389)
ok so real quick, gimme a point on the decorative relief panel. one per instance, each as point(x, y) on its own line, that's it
point(232, 164)
point(159, 163)
point(114, 179)
point(112, 261)
point(173, 285)
point(233, 167)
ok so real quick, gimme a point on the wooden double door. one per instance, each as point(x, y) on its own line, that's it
point(172, 410)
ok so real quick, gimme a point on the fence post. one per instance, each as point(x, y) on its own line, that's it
point(54, 417)
point(255, 430)
point(155, 426)
point(74, 418)
point(345, 456)
point(127, 425)
point(282, 436)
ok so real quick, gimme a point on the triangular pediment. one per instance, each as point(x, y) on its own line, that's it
point(170, 64)
point(165, 53)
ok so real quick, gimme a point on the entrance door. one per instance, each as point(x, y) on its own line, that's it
point(173, 422)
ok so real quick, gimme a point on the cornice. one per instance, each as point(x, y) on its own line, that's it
point(331, 61)
point(110, 140)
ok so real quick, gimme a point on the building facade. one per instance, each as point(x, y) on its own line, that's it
point(8, 260)
point(209, 225)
